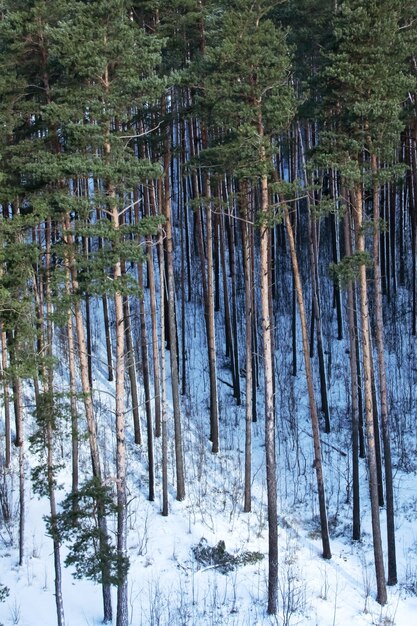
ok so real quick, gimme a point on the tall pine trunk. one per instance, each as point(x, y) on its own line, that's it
point(379, 334)
point(6, 401)
point(164, 416)
point(172, 324)
point(147, 387)
point(71, 268)
point(50, 421)
point(318, 464)
point(351, 304)
point(247, 258)
point(270, 428)
point(367, 374)
point(154, 319)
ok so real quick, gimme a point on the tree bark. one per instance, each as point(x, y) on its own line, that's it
point(19, 441)
point(154, 319)
point(318, 465)
point(246, 242)
point(72, 391)
point(267, 326)
point(385, 421)
point(367, 374)
point(109, 348)
point(179, 459)
point(50, 419)
point(356, 521)
point(164, 416)
point(131, 370)
point(6, 401)
point(147, 389)
point(211, 331)
point(313, 249)
point(235, 365)
point(71, 267)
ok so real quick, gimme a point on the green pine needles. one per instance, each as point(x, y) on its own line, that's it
point(78, 525)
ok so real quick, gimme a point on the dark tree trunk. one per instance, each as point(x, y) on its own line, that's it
point(131, 370)
point(318, 465)
point(247, 254)
point(172, 324)
point(147, 389)
point(351, 304)
point(6, 402)
point(386, 435)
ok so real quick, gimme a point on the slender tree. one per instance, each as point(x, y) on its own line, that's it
point(248, 75)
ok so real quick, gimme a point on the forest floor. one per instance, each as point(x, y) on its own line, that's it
point(167, 584)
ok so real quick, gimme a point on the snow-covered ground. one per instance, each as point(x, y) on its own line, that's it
point(167, 586)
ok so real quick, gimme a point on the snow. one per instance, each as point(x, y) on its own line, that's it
point(166, 584)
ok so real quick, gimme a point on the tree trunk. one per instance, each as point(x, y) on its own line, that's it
point(109, 348)
point(121, 540)
point(147, 389)
point(50, 420)
point(227, 319)
point(413, 219)
point(122, 610)
point(267, 326)
point(164, 416)
point(367, 374)
point(19, 441)
point(88, 408)
point(211, 331)
point(154, 319)
point(131, 370)
point(246, 242)
point(179, 459)
point(356, 521)
point(385, 421)
point(183, 217)
point(88, 320)
point(208, 297)
point(334, 220)
point(313, 249)
point(377, 435)
point(310, 386)
point(236, 366)
point(73, 392)
point(6, 401)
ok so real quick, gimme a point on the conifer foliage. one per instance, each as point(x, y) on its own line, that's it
point(141, 140)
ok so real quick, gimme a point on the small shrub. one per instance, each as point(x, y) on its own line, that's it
point(4, 592)
point(218, 557)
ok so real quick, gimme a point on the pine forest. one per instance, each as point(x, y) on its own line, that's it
point(208, 312)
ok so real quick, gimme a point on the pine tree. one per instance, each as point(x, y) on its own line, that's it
point(86, 75)
point(115, 76)
point(246, 93)
point(367, 83)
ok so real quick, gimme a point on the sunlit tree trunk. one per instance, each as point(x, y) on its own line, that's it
point(49, 391)
point(379, 334)
point(73, 397)
point(270, 429)
point(247, 254)
point(88, 405)
point(367, 375)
